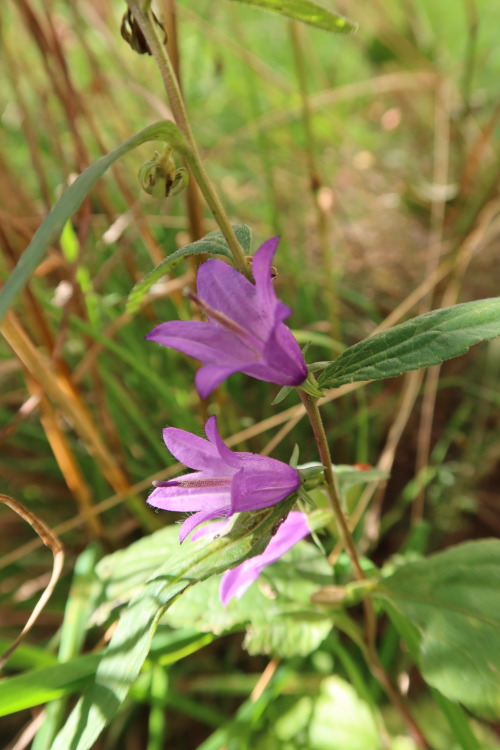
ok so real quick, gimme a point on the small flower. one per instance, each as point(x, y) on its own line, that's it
point(225, 482)
point(236, 581)
point(245, 330)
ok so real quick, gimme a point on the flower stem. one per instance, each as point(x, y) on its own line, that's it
point(143, 15)
point(370, 653)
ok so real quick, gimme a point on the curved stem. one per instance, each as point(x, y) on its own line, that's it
point(370, 652)
point(142, 14)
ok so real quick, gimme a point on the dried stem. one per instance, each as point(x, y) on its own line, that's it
point(51, 541)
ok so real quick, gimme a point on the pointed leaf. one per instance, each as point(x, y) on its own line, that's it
point(307, 12)
point(69, 202)
point(213, 243)
point(421, 342)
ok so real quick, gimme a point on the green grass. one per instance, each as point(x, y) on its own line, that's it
point(393, 111)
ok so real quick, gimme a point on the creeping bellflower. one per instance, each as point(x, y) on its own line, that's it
point(236, 581)
point(244, 331)
point(224, 482)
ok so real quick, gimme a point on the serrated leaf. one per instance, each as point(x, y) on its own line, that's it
point(452, 599)
point(52, 226)
point(421, 342)
point(122, 660)
point(307, 12)
point(213, 243)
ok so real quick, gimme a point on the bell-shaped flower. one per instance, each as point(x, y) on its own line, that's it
point(224, 482)
point(244, 331)
point(236, 581)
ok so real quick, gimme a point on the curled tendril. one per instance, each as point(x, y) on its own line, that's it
point(161, 178)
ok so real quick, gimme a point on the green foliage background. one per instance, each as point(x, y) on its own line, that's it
point(404, 117)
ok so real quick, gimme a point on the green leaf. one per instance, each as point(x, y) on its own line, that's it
point(335, 718)
point(452, 600)
point(42, 685)
point(213, 243)
point(71, 199)
point(420, 342)
point(275, 611)
point(307, 12)
point(123, 658)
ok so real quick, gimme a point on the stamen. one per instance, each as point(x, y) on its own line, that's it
point(206, 482)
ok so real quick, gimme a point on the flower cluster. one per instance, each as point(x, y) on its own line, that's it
point(244, 332)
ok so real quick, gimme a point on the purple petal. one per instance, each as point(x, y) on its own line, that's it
point(208, 342)
point(192, 451)
point(262, 482)
point(227, 290)
point(283, 353)
point(175, 498)
point(261, 269)
point(209, 377)
point(230, 458)
point(236, 581)
point(193, 521)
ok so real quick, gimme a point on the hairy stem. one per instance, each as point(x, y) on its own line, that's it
point(142, 14)
point(370, 653)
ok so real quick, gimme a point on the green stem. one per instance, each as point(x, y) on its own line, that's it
point(314, 415)
point(376, 667)
point(142, 14)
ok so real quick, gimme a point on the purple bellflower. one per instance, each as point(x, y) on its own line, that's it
point(224, 482)
point(244, 331)
point(236, 581)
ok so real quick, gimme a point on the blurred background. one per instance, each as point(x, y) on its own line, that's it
point(375, 157)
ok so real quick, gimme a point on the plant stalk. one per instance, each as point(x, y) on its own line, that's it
point(371, 655)
point(143, 15)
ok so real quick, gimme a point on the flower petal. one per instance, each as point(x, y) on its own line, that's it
point(192, 450)
point(236, 581)
point(227, 290)
point(209, 377)
point(261, 482)
point(261, 269)
point(176, 498)
point(208, 342)
point(230, 458)
point(283, 353)
point(193, 521)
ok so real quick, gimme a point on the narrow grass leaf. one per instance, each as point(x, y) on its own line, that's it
point(213, 243)
point(421, 342)
point(307, 12)
point(43, 685)
point(52, 226)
